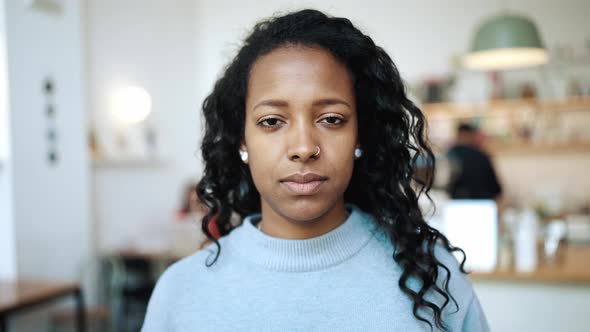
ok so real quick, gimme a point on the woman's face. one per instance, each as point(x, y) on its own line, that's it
point(300, 101)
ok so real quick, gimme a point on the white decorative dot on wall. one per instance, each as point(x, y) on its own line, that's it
point(131, 105)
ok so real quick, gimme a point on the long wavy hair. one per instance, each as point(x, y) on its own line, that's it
point(391, 132)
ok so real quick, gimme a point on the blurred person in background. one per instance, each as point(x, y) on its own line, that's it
point(311, 139)
point(187, 235)
point(192, 208)
point(472, 171)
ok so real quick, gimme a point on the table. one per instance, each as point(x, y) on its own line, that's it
point(20, 295)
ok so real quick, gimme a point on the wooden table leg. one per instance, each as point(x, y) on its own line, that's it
point(80, 312)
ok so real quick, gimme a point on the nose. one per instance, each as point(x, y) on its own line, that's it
point(302, 144)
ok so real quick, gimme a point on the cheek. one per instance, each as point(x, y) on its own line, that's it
point(263, 158)
point(341, 158)
point(343, 168)
point(258, 173)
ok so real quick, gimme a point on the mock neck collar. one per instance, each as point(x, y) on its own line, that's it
point(310, 254)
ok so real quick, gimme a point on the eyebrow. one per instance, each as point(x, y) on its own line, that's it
point(320, 102)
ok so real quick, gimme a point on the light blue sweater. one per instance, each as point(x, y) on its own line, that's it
point(345, 280)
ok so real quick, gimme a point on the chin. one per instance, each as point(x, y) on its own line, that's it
point(305, 209)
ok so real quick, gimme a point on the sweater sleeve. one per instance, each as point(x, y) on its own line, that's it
point(475, 320)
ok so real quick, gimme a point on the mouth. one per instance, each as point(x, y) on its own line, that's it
point(303, 184)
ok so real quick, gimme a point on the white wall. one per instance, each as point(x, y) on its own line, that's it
point(7, 246)
point(46, 205)
point(150, 44)
point(50, 202)
point(4, 144)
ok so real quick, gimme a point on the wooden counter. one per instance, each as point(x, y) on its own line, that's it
point(572, 267)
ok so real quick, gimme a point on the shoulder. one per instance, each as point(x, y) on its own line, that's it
point(184, 281)
point(450, 261)
point(197, 265)
point(458, 280)
point(456, 150)
point(465, 312)
point(462, 302)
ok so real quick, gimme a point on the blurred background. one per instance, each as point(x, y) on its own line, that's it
point(100, 129)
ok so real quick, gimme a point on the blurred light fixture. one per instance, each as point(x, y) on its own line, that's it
point(131, 105)
point(506, 42)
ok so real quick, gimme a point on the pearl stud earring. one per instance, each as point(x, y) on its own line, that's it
point(358, 152)
point(244, 156)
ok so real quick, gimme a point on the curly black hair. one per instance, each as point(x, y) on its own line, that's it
point(392, 133)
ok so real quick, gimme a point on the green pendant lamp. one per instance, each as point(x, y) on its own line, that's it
point(506, 42)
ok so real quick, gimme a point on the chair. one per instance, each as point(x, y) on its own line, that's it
point(98, 317)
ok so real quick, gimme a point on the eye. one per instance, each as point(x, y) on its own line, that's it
point(333, 120)
point(270, 122)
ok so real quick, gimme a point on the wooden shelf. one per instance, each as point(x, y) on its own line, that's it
point(532, 148)
point(503, 107)
point(572, 268)
point(127, 163)
point(546, 117)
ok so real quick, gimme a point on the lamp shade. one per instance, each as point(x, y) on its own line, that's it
point(131, 105)
point(506, 42)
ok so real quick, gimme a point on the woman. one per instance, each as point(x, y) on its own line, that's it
point(309, 136)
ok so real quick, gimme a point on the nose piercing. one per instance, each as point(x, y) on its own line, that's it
point(315, 155)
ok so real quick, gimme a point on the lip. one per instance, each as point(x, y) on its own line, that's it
point(303, 184)
point(304, 178)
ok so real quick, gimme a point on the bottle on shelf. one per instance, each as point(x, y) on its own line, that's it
point(525, 242)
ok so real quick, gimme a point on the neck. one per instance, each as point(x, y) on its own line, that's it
point(279, 225)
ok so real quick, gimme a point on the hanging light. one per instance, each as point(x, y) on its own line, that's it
point(131, 105)
point(506, 42)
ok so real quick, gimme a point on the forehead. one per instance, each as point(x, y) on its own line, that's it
point(299, 69)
